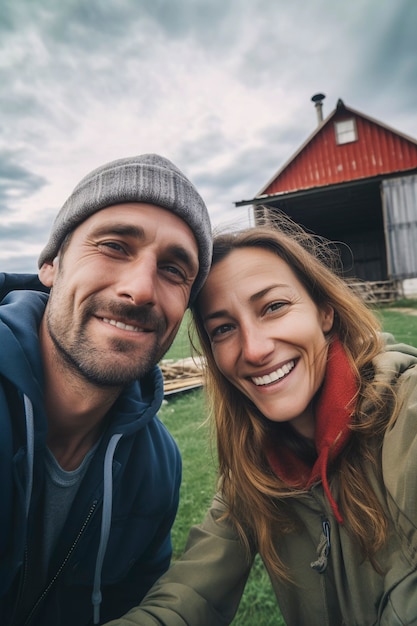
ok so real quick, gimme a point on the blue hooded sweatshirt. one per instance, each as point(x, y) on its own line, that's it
point(116, 540)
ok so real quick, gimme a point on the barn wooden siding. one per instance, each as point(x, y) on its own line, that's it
point(321, 161)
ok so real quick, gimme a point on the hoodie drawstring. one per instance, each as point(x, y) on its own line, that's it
point(96, 597)
point(30, 442)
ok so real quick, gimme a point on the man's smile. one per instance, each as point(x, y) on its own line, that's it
point(123, 326)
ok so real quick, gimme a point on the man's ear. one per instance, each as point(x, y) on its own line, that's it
point(47, 272)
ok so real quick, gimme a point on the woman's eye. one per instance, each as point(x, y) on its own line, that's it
point(221, 330)
point(275, 306)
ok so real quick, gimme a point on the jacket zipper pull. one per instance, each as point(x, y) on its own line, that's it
point(323, 549)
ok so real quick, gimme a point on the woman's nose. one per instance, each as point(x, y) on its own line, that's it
point(256, 347)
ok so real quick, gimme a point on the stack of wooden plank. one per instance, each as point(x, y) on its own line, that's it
point(376, 292)
point(182, 374)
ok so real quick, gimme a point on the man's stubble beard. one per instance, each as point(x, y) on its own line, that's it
point(99, 366)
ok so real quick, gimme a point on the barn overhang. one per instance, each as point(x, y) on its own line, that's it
point(375, 217)
point(329, 210)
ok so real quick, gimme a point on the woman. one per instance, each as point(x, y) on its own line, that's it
point(316, 422)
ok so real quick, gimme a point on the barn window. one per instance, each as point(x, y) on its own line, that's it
point(346, 131)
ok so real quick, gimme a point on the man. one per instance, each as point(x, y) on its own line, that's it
point(89, 475)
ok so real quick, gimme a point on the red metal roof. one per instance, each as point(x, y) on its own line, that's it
point(320, 161)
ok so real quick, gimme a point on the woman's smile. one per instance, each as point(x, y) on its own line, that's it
point(278, 374)
point(267, 335)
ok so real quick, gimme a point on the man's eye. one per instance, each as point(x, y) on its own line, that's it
point(112, 245)
point(175, 272)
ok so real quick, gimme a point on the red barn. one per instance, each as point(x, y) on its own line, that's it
point(354, 181)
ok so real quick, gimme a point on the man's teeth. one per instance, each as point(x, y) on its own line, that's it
point(274, 376)
point(121, 325)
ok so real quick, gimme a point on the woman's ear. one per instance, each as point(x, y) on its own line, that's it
point(327, 318)
point(47, 272)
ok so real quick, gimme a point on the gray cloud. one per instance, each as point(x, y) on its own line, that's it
point(23, 243)
point(16, 182)
point(387, 50)
point(32, 233)
point(23, 264)
point(221, 88)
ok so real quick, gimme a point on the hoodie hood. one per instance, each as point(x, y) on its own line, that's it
point(395, 360)
point(20, 359)
point(14, 282)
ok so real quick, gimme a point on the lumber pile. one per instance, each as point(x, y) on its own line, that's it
point(182, 374)
point(376, 292)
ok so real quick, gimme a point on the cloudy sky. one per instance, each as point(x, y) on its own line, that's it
point(221, 87)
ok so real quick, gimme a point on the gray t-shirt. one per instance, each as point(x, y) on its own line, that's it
point(60, 490)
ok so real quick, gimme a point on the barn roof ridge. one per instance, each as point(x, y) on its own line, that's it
point(339, 106)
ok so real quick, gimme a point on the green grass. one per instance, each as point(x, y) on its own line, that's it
point(404, 303)
point(180, 349)
point(402, 326)
point(184, 416)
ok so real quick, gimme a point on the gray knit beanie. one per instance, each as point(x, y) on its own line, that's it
point(147, 178)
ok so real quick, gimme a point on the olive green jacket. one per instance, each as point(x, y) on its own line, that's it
point(335, 586)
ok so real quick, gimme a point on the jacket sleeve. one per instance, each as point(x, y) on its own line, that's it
point(399, 465)
point(204, 586)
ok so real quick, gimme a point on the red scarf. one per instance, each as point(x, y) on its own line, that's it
point(333, 411)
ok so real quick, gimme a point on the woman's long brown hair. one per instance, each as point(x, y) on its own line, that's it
point(259, 503)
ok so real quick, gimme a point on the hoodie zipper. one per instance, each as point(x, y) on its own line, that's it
point(22, 584)
point(63, 564)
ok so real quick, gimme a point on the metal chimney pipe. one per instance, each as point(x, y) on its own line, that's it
point(318, 103)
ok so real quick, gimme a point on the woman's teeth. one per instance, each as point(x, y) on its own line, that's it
point(274, 376)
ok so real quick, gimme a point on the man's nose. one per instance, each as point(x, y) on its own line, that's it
point(138, 281)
